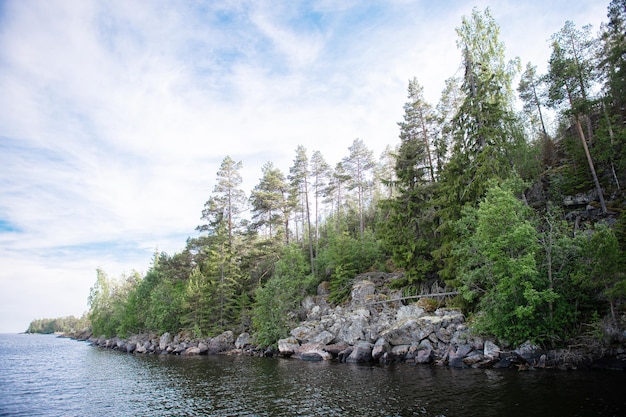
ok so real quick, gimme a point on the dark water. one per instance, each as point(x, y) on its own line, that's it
point(48, 376)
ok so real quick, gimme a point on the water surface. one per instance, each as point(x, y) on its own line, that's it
point(47, 376)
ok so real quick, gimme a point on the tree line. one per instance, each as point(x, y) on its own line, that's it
point(58, 325)
point(470, 198)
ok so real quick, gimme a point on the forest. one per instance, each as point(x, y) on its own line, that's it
point(479, 195)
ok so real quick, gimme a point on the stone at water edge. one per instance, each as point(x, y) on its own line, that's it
point(288, 346)
point(361, 353)
point(164, 341)
point(243, 340)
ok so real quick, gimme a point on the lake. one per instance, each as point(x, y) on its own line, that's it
point(42, 375)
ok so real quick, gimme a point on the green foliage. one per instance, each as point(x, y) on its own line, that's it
point(498, 270)
point(58, 325)
point(276, 302)
point(604, 267)
point(344, 257)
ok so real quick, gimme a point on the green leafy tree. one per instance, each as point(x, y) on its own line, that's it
point(498, 269)
point(101, 305)
point(604, 270)
point(222, 213)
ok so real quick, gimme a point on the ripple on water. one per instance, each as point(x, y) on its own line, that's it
point(47, 376)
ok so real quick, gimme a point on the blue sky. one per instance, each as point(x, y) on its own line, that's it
point(115, 115)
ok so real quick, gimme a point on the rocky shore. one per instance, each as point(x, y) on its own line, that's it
point(376, 326)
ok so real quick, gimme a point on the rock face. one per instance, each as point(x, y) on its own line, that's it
point(374, 326)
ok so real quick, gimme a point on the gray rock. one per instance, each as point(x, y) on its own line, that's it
point(400, 351)
point(362, 290)
point(361, 353)
point(191, 351)
point(344, 354)
point(221, 343)
point(288, 346)
point(305, 332)
point(380, 348)
point(424, 355)
point(325, 337)
point(456, 356)
point(491, 351)
point(409, 311)
point(403, 332)
point(164, 341)
point(529, 352)
point(243, 340)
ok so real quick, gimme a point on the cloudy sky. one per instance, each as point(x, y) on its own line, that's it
point(115, 115)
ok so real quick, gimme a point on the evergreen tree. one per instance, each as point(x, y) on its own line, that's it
point(299, 176)
point(485, 128)
point(269, 200)
point(408, 230)
point(320, 174)
point(222, 212)
point(571, 75)
point(358, 166)
point(529, 89)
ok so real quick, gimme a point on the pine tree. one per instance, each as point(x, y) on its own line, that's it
point(571, 75)
point(358, 166)
point(299, 176)
point(269, 200)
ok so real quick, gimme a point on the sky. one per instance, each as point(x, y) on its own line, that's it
point(115, 115)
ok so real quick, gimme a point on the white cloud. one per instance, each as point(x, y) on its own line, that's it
point(116, 115)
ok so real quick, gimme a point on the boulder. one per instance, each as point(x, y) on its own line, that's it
point(305, 332)
point(403, 332)
point(400, 351)
point(361, 353)
point(243, 340)
point(344, 354)
point(221, 343)
point(362, 290)
point(336, 348)
point(474, 359)
point(380, 348)
point(456, 355)
point(354, 328)
point(424, 355)
point(409, 311)
point(194, 350)
point(315, 355)
point(164, 341)
point(325, 337)
point(529, 352)
point(288, 346)
point(491, 351)
point(140, 347)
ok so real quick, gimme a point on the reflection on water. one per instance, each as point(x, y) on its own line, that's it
point(43, 375)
